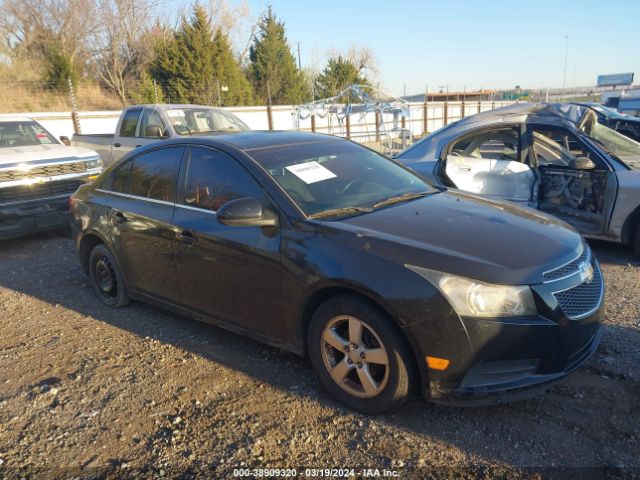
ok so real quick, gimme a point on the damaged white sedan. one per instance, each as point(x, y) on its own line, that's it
point(553, 157)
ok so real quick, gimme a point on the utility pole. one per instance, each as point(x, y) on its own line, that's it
point(299, 62)
point(566, 56)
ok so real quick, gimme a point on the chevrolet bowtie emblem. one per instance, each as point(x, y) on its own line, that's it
point(587, 274)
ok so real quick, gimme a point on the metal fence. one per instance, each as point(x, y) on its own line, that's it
point(423, 118)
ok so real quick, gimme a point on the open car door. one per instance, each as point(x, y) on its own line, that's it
point(575, 185)
point(489, 164)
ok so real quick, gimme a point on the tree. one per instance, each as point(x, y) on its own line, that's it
point(193, 66)
point(35, 28)
point(59, 68)
point(339, 73)
point(229, 74)
point(273, 67)
point(123, 44)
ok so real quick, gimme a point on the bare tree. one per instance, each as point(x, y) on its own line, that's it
point(123, 42)
point(237, 23)
point(29, 27)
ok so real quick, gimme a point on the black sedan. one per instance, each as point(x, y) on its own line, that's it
point(323, 247)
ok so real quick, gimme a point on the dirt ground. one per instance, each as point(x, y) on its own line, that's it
point(88, 391)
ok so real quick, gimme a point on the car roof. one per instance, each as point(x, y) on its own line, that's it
point(257, 139)
point(558, 114)
point(15, 118)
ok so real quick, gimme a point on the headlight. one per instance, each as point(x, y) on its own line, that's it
point(473, 298)
point(93, 163)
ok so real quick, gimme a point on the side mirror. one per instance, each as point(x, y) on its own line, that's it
point(64, 139)
point(584, 163)
point(153, 131)
point(246, 212)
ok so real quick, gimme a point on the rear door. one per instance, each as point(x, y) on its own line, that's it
point(490, 162)
point(230, 273)
point(126, 139)
point(141, 206)
point(581, 197)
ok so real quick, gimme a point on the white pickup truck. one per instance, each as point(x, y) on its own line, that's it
point(38, 174)
point(142, 124)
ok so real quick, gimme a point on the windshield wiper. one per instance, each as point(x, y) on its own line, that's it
point(405, 197)
point(340, 212)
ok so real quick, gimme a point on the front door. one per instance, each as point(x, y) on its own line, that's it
point(141, 208)
point(490, 163)
point(230, 273)
point(568, 190)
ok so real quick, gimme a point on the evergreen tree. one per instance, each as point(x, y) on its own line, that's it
point(339, 73)
point(194, 65)
point(272, 62)
point(229, 74)
point(59, 68)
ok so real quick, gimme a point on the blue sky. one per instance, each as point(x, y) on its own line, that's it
point(490, 43)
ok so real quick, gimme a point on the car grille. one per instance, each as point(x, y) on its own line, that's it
point(570, 268)
point(584, 299)
point(44, 171)
point(38, 191)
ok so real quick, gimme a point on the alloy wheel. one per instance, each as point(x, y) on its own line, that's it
point(354, 356)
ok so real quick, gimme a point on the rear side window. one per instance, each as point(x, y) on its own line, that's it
point(214, 178)
point(493, 145)
point(119, 180)
point(129, 122)
point(153, 174)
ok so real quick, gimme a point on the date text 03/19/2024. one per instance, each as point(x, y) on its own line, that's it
point(315, 473)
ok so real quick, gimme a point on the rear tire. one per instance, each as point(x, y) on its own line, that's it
point(359, 355)
point(106, 277)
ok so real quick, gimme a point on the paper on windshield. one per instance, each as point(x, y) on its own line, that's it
point(311, 172)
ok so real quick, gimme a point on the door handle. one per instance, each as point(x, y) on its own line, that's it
point(138, 146)
point(186, 236)
point(120, 217)
point(117, 145)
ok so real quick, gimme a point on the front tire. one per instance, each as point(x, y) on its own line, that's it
point(636, 241)
point(106, 277)
point(359, 355)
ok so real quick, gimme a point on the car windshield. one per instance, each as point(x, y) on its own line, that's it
point(334, 179)
point(199, 120)
point(24, 134)
point(615, 144)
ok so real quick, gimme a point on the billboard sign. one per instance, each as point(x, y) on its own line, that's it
point(615, 79)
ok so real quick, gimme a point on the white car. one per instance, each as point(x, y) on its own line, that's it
point(38, 174)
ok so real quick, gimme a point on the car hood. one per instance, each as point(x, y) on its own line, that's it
point(33, 153)
point(464, 235)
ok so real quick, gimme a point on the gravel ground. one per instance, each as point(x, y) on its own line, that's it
point(88, 391)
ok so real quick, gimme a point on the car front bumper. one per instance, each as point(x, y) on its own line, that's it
point(33, 216)
point(515, 358)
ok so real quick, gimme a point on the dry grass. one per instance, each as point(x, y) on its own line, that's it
point(18, 97)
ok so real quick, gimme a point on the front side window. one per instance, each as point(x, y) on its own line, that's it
point(492, 145)
point(151, 125)
point(24, 134)
point(129, 123)
point(214, 178)
point(557, 148)
point(337, 178)
point(153, 174)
